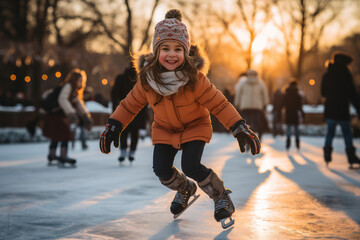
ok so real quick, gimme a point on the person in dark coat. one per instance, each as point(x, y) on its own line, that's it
point(293, 111)
point(277, 112)
point(338, 89)
point(122, 86)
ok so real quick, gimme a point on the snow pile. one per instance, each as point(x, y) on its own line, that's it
point(19, 135)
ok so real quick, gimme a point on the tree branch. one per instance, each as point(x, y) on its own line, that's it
point(146, 31)
point(102, 23)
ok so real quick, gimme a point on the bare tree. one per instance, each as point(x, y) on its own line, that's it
point(121, 34)
point(306, 19)
point(253, 16)
point(250, 19)
point(36, 21)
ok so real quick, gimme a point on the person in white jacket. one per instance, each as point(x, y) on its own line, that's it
point(69, 109)
point(251, 99)
point(236, 100)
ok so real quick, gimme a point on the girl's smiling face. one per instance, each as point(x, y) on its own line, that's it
point(171, 55)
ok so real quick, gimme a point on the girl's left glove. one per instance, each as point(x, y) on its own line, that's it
point(244, 135)
point(110, 134)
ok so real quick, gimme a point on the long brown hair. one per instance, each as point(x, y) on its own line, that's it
point(188, 69)
point(72, 78)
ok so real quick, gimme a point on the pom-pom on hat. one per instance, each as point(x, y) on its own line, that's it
point(171, 28)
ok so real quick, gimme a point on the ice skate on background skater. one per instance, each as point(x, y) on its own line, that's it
point(172, 81)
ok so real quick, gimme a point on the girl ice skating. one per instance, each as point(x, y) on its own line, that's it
point(182, 98)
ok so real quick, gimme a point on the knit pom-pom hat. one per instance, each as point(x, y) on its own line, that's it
point(171, 28)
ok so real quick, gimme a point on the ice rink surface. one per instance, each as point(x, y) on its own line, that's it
point(277, 194)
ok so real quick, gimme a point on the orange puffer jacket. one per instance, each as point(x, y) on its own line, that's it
point(181, 117)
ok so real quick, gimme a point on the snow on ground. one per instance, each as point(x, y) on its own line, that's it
point(277, 194)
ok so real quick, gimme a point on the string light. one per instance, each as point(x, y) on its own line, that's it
point(12, 77)
point(18, 62)
point(27, 79)
point(51, 62)
point(44, 77)
point(58, 74)
point(28, 60)
point(312, 82)
point(104, 81)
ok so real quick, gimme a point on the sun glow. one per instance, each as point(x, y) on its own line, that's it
point(260, 43)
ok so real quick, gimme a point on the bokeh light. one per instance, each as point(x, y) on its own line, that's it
point(18, 62)
point(12, 77)
point(28, 60)
point(104, 81)
point(58, 74)
point(312, 82)
point(44, 77)
point(27, 79)
point(51, 62)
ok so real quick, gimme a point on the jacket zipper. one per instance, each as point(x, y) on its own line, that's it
point(175, 110)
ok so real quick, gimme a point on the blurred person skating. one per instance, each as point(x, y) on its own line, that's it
point(182, 98)
point(122, 86)
point(68, 107)
point(292, 103)
point(83, 135)
point(277, 113)
point(251, 99)
point(338, 89)
point(236, 101)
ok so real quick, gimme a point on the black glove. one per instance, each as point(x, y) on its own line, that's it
point(111, 133)
point(244, 135)
point(73, 118)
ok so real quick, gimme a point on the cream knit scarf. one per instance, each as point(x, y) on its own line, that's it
point(172, 82)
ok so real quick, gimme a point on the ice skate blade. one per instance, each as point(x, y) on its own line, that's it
point(71, 164)
point(195, 197)
point(354, 168)
point(227, 225)
point(50, 164)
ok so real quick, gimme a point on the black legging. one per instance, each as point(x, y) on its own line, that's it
point(190, 160)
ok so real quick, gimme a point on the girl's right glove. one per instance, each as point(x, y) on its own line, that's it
point(110, 134)
point(244, 135)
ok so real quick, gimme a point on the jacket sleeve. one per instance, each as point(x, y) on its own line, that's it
point(80, 106)
point(64, 101)
point(130, 106)
point(210, 97)
point(350, 89)
point(324, 85)
point(236, 101)
point(265, 94)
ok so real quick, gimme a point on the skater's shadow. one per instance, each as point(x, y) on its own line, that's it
point(169, 230)
point(345, 177)
point(309, 178)
point(241, 175)
point(278, 144)
point(224, 234)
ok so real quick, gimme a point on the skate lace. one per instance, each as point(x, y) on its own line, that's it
point(181, 198)
point(222, 203)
